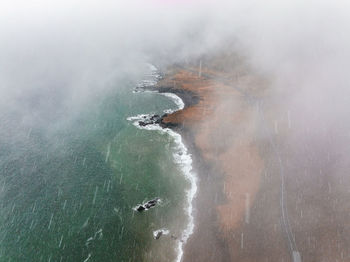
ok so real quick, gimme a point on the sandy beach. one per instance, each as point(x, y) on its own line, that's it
point(253, 202)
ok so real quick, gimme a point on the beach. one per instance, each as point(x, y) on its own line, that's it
point(251, 204)
point(175, 131)
point(229, 171)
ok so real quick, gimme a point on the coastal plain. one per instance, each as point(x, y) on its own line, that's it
point(254, 202)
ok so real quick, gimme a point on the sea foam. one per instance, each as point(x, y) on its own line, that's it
point(180, 156)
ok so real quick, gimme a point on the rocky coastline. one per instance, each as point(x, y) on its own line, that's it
point(188, 97)
point(241, 149)
point(188, 86)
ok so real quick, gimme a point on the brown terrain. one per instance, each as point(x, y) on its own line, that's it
point(267, 191)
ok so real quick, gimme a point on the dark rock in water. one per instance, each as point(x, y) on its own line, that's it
point(140, 208)
point(159, 234)
point(145, 123)
point(154, 119)
point(173, 237)
point(154, 201)
point(149, 204)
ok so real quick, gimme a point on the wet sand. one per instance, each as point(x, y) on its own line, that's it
point(241, 156)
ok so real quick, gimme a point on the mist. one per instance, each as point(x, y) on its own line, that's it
point(69, 52)
point(301, 44)
point(58, 58)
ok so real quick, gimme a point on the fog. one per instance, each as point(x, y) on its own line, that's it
point(61, 55)
point(73, 50)
point(72, 43)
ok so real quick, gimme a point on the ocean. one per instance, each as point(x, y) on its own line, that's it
point(68, 189)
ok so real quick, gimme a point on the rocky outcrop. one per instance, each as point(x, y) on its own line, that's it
point(149, 204)
point(150, 120)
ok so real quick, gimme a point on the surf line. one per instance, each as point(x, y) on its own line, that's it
point(180, 155)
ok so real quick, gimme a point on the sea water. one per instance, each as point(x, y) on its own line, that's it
point(68, 188)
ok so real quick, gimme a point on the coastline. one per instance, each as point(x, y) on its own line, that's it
point(219, 124)
point(209, 186)
point(181, 156)
point(224, 176)
point(253, 201)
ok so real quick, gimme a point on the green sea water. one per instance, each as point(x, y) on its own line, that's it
point(67, 188)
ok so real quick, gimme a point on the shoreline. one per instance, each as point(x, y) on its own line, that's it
point(209, 193)
point(205, 124)
point(181, 156)
point(245, 153)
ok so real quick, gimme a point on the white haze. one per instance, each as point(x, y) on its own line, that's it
point(61, 55)
point(75, 50)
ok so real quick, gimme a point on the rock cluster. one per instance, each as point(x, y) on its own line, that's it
point(149, 204)
point(153, 119)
